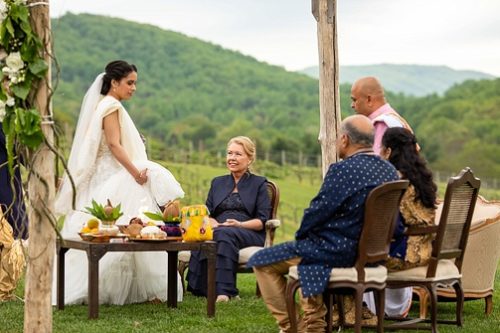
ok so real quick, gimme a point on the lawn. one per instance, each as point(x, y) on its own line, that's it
point(247, 315)
point(298, 186)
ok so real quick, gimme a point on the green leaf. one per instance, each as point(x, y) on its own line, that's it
point(9, 26)
point(21, 90)
point(3, 34)
point(10, 134)
point(154, 216)
point(32, 141)
point(28, 127)
point(38, 67)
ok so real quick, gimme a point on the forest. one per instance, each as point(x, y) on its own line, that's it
point(193, 96)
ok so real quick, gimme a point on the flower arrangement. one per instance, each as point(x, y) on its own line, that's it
point(22, 66)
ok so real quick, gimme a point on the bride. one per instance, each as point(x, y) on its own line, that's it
point(108, 161)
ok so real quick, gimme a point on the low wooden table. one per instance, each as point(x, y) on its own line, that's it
point(95, 251)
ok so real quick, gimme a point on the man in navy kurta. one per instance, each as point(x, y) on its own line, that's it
point(330, 229)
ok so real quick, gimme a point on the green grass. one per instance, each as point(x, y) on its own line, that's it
point(248, 315)
point(298, 186)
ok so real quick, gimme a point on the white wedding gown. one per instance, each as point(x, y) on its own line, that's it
point(124, 277)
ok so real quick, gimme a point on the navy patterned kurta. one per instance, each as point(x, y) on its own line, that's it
point(330, 229)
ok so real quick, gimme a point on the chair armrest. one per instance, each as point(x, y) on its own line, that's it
point(414, 230)
point(271, 226)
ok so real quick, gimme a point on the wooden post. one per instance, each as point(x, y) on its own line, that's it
point(41, 193)
point(325, 13)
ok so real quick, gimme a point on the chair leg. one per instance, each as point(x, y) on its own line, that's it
point(358, 303)
point(291, 289)
point(380, 308)
point(340, 306)
point(433, 302)
point(488, 307)
point(460, 303)
point(423, 300)
point(182, 266)
point(328, 299)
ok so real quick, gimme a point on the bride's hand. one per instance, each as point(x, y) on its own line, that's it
point(142, 178)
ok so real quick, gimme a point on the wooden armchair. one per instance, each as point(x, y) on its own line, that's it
point(448, 249)
point(271, 225)
point(480, 259)
point(381, 210)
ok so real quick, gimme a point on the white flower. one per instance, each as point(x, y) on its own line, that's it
point(10, 101)
point(14, 61)
point(3, 8)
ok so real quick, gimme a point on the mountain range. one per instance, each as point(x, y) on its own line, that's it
point(194, 95)
point(416, 80)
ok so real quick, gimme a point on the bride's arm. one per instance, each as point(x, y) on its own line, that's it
point(111, 125)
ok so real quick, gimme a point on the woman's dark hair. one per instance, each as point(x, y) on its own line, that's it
point(115, 70)
point(405, 157)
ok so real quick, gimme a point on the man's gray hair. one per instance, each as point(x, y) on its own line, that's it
point(358, 137)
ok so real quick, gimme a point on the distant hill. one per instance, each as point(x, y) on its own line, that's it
point(190, 93)
point(417, 80)
point(193, 95)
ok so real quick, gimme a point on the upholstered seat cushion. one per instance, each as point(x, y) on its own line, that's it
point(446, 269)
point(376, 274)
point(245, 254)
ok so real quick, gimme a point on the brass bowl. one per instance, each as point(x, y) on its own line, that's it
point(96, 238)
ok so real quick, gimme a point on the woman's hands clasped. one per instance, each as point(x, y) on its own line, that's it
point(142, 177)
point(227, 223)
point(231, 223)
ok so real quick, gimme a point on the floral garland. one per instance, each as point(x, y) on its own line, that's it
point(22, 68)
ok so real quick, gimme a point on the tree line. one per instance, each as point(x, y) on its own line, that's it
point(194, 95)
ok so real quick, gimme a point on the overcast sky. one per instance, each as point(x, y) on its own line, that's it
point(462, 34)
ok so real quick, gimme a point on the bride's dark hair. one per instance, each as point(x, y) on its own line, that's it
point(116, 70)
point(405, 157)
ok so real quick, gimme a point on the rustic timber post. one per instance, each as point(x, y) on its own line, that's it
point(41, 192)
point(325, 13)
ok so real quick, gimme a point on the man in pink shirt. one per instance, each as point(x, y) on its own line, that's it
point(368, 99)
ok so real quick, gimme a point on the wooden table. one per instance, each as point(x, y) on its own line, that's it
point(95, 251)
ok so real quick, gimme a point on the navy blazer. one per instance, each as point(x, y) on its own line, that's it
point(252, 190)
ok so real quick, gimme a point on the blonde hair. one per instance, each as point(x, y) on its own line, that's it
point(247, 144)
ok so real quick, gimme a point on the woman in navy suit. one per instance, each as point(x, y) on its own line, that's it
point(239, 207)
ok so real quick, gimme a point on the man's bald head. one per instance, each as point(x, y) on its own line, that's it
point(367, 95)
point(356, 132)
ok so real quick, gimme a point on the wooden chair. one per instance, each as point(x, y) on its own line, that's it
point(368, 273)
point(448, 248)
point(271, 225)
point(480, 259)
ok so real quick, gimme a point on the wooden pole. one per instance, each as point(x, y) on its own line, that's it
point(325, 13)
point(41, 193)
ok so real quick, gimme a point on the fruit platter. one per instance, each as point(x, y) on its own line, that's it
point(155, 227)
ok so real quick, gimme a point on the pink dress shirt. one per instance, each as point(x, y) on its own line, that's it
point(390, 118)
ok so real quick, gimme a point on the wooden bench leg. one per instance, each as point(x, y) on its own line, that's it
point(488, 309)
